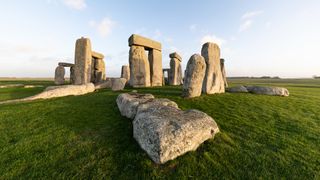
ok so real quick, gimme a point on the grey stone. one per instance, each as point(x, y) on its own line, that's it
point(125, 72)
point(59, 75)
point(104, 84)
point(213, 81)
point(237, 89)
point(194, 76)
point(139, 67)
point(166, 132)
point(273, 91)
point(223, 71)
point(64, 64)
point(128, 103)
point(83, 61)
point(175, 77)
point(137, 40)
point(118, 84)
point(155, 61)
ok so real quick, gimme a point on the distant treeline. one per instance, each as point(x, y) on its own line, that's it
point(316, 77)
point(247, 77)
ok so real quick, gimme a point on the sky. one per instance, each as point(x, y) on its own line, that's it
point(256, 38)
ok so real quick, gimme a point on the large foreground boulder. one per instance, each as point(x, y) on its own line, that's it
point(273, 91)
point(166, 132)
point(128, 103)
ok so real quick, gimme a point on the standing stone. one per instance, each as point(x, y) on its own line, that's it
point(194, 76)
point(213, 81)
point(83, 60)
point(125, 72)
point(175, 77)
point(155, 60)
point(223, 71)
point(139, 67)
point(99, 70)
point(72, 76)
point(59, 75)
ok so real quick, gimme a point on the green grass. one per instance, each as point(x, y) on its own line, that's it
point(86, 137)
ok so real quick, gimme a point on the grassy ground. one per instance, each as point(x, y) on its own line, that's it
point(85, 136)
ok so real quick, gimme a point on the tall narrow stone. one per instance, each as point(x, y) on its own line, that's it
point(213, 81)
point(223, 71)
point(83, 61)
point(125, 72)
point(155, 60)
point(72, 76)
point(99, 70)
point(194, 76)
point(175, 77)
point(59, 75)
point(139, 67)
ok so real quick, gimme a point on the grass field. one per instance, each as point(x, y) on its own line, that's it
point(86, 137)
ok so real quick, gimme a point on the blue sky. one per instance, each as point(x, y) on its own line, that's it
point(267, 37)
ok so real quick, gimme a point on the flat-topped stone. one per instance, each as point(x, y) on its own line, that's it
point(97, 55)
point(175, 55)
point(64, 64)
point(143, 41)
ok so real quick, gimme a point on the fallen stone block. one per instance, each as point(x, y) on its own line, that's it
point(118, 84)
point(237, 89)
point(128, 103)
point(273, 91)
point(166, 132)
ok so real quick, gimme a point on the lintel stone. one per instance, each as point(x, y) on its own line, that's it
point(64, 64)
point(175, 55)
point(97, 55)
point(145, 42)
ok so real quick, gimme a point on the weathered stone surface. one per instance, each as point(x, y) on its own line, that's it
point(143, 41)
point(139, 67)
point(99, 71)
point(104, 84)
point(175, 77)
point(213, 81)
point(273, 91)
point(224, 74)
point(125, 72)
point(59, 75)
point(66, 90)
point(97, 55)
point(155, 60)
point(175, 55)
point(72, 76)
point(118, 84)
point(64, 64)
point(237, 89)
point(128, 103)
point(166, 132)
point(194, 76)
point(83, 61)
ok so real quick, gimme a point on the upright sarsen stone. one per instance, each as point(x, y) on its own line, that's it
point(194, 76)
point(155, 60)
point(125, 72)
point(83, 61)
point(59, 75)
point(213, 81)
point(175, 77)
point(223, 71)
point(139, 67)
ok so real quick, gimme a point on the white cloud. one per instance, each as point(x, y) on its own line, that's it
point(245, 25)
point(103, 27)
point(213, 38)
point(75, 4)
point(251, 14)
